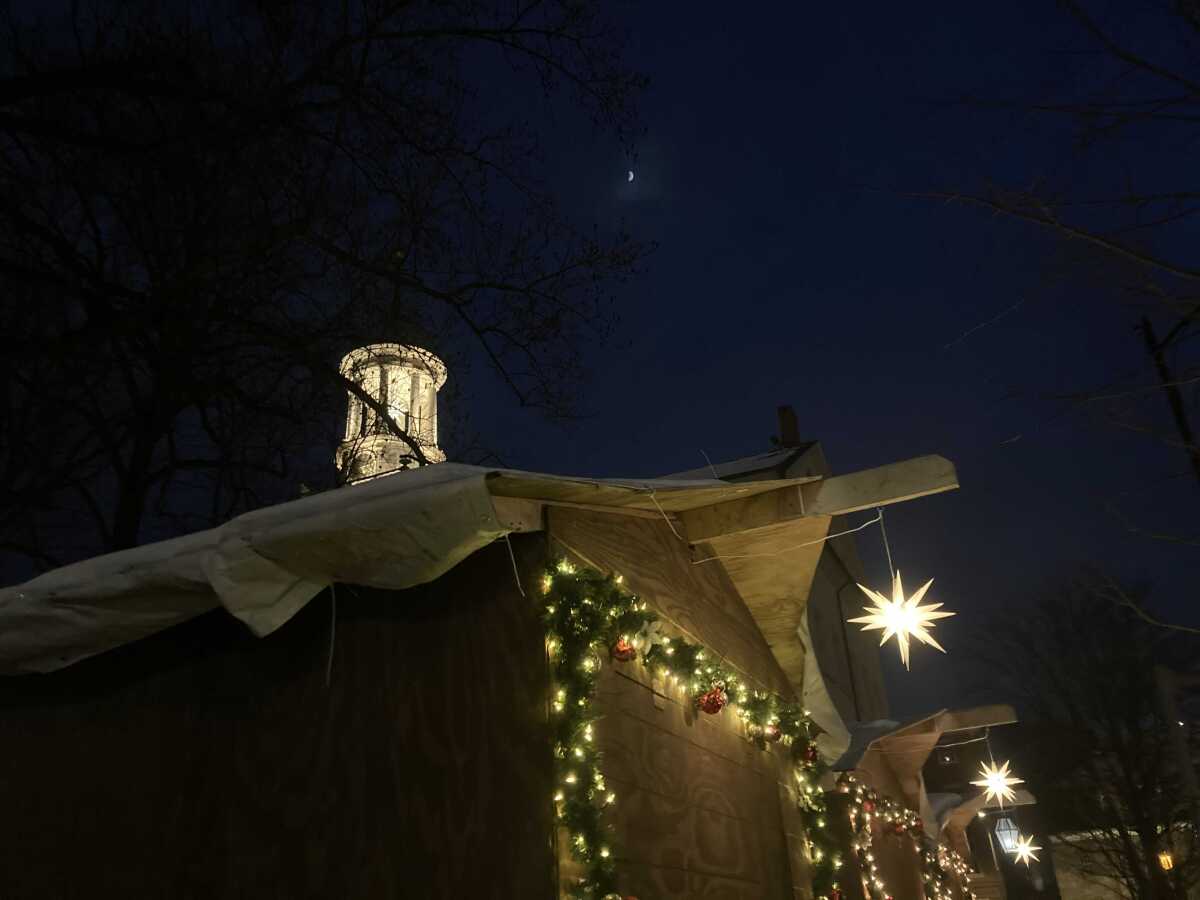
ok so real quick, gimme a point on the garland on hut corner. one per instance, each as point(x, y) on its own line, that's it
point(588, 615)
point(867, 807)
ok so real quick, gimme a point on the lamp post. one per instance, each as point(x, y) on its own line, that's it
point(1007, 833)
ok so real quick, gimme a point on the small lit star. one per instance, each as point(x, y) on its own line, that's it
point(997, 782)
point(1024, 849)
point(901, 617)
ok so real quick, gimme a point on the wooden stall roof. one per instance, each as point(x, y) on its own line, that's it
point(766, 532)
point(894, 754)
point(410, 527)
point(655, 496)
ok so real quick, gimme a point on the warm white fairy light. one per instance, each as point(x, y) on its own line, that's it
point(581, 780)
point(1024, 851)
point(997, 782)
point(903, 617)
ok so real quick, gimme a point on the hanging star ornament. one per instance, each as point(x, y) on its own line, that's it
point(904, 618)
point(1024, 849)
point(997, 783)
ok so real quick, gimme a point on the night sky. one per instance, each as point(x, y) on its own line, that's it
point(792, 268)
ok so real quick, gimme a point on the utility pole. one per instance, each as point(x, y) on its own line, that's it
point(1168, 684)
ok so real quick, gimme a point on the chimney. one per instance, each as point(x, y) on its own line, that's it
point(404, 381)
point(789, 431)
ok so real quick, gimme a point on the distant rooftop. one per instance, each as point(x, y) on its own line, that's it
point(772, 464)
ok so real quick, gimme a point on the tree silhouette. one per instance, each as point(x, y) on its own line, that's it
point(202, 207)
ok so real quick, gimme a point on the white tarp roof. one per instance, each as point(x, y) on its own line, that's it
point(264, 566)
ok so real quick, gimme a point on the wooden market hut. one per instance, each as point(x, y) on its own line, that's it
point(347, 695)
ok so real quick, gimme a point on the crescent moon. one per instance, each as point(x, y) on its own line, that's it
point(631, 174)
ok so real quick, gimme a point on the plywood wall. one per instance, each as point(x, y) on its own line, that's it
point(848, 657)
point(701, 812)
point(206, 763)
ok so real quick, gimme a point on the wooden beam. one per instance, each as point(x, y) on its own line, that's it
point(834, 496)
point(523, 514)
point(884, 485)
point(747, 514)
point(977, 717)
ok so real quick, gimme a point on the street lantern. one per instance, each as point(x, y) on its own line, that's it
point(1007, 834)
point(1165, 860)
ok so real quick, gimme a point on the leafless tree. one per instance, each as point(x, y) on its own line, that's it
point(202, 206)
point(1125, 203)
point(1095, 748)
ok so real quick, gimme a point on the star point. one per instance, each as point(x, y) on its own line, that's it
point(1025, 849)
point(901, 617)
point(997, 782)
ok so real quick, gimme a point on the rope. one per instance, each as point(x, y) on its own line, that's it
point(513, 557)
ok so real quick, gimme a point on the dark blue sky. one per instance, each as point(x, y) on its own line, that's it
point(792, 269)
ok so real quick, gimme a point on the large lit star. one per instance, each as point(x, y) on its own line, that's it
point(1024, 849)
point(900, 617)
point(997, 783)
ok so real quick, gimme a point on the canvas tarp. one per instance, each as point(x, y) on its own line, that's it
point(392, 532)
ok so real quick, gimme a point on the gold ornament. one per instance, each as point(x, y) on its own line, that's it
point(901, 617)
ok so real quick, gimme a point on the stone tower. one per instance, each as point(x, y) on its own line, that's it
point(405, 381)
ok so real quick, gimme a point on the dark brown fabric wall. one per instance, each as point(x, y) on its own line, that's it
point(206, 763)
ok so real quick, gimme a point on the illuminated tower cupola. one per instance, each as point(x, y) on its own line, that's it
point(404, 381)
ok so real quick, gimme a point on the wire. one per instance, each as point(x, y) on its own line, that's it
point(974, 740)
point(670, 524)
point(886, 547)
point(512, 556)
point(827, 537)
point(332, 631)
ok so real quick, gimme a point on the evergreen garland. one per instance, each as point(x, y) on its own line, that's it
point(588, 617)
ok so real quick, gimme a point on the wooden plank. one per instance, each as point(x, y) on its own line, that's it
point(977, 717)
point(622, 694)
point(655, 562)
point(654, 882)
point(899, 865)
point(658, 830)
point(608, 494)
point(793, 843)
point(773, 570)
point(694, 796)
point(735, 516)
point(205, 762)
point(893, 483)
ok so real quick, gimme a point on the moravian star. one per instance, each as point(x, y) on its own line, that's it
point(904, 618)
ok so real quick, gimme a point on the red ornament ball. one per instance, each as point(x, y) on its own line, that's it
point(835, 894)
point(713, 700)
point(623, 651)
point(772, 733)
point(868, 806)
point(810, 753)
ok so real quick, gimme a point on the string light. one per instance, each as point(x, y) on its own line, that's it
point(589, 612)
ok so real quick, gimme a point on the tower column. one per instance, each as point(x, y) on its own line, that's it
point(403, 380)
